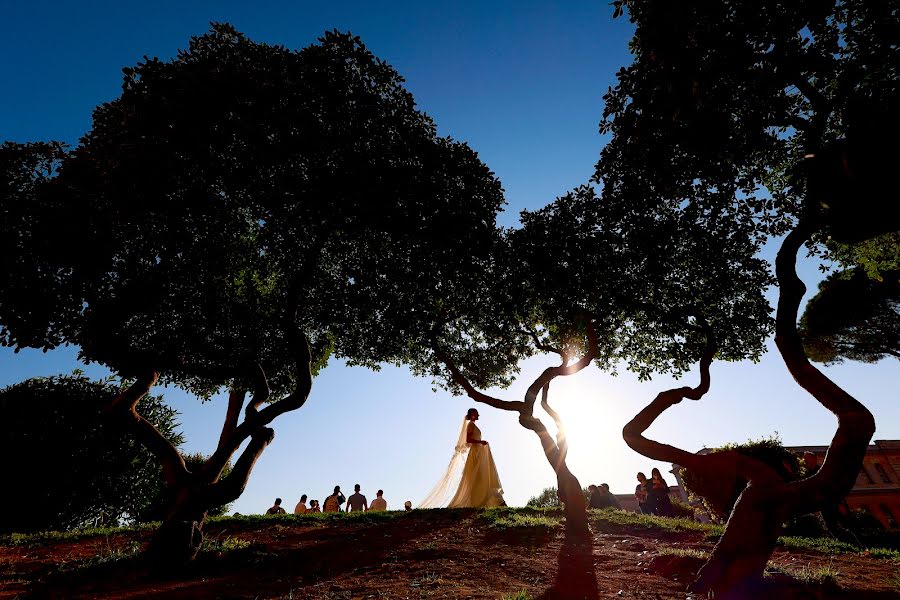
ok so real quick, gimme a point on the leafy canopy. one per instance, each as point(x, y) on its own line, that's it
point(240, 189)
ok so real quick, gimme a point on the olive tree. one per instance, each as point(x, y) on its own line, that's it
point(240, 213)
point(770, 114)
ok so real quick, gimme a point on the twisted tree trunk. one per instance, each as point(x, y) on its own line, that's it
point(738, 560)
point(180, 536)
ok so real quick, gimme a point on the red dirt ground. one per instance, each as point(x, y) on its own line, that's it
point(439, 554)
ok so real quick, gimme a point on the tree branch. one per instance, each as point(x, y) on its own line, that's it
point(255, 420)
point(561, 441)
point(229, 489)
point(633, 432)
point(470, 390)
point(552, 373)
point(856, 426)
point(235, 403)
point(539, 344)
point(124, 409)
point(817, 100)
point(261, 392)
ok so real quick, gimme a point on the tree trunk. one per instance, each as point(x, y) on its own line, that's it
point(574, 504)
point(180, 536)
point(739, 559)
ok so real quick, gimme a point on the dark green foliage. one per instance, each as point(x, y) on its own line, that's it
point(67, 466)
point(682, 510)
point(853, 317)
point(30, 276)
point(549, 498)
point(242, 187)
point(724, 100)
point(645, 279)
point(719, 494)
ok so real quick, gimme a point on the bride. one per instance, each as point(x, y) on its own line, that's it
point(471, 476)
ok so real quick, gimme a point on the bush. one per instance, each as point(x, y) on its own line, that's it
point(71, 467)
point(719, 495)
point(549, 498)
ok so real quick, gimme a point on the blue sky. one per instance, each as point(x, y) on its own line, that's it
point(522, 82)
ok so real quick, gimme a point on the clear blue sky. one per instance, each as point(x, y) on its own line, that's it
point(522, 82)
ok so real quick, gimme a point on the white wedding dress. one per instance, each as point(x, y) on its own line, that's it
point(471, 480)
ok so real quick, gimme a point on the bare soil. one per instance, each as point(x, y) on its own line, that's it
point(423, 554)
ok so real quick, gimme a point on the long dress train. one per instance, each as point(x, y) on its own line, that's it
point(473, 467)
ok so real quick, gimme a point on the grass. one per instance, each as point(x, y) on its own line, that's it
point(504, 519)
point(229, 544)
point(520, 595)
point(883, 553)
point(691, 552)
point(41, 537)
point(107, 554)
point(431, 578)
point(613, 516)
point(822, 575)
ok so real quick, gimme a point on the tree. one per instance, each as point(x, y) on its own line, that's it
point(102, 476)
point(570, 282)
point(770, 114)
point(853, 317)
point(549, 498)
point(237, 215)
point(855, 314)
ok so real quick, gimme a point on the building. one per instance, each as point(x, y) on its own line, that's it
point(877, 488)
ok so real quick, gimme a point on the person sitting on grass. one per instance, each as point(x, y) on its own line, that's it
point(301, 506)
point(613, 501)
point(378, 503)
point(314, 507)
point(276, 508)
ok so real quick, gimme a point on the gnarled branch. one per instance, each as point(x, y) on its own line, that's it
point(470, 390)
point(856, 426)
point(124, 408)
point(633, 432)
point(552, 373)
point(229, 489)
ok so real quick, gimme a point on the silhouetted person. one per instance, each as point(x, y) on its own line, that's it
point(407, 505)
point(334, 501)
point(642, 493)
point(276, 508)
point(378, 503)
point(613, 501)
point(314, 507)
point(301, 506)
point(357, 502)
point(658, 490)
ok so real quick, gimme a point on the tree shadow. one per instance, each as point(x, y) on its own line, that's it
point(575, 576)
point(331, 554)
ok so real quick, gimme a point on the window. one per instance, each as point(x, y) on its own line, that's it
point(882, 473)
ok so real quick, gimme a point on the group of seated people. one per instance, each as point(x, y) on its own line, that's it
point(653, 495)
point(601, 497)
point(355, 503)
